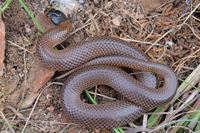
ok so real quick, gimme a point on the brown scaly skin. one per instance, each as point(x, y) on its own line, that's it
point(98, 61)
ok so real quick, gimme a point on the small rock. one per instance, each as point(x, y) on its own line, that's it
point(27, 28)
point(66, 6)
point(51, 108)
point(116, 21)
point(108, 5)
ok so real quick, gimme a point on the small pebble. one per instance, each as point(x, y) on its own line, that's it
point(51, 108)
point(169, 43)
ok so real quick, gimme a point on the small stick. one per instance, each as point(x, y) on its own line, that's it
point(171, 30)
point(14, 44)
point(180, 26)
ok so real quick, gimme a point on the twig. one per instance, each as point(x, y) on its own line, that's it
point(78, 29)
point(138, 41)
point(97, 94)
point(180, 26)
point(14, 44)
point(183, 127)
point(171, 30)
point(16, 112)
point(192, 30)
point(144, 124)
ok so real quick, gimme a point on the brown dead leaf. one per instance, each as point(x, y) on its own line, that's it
point(15, 97)
point(65, 118)
point(150, 5)
point(29, 100)
point(2, 45)
point(38, 77)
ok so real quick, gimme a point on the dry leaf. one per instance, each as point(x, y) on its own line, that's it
point(38, 77)
point(29, 100)
point(150, 5)
point(65, 118)
point(15, 97)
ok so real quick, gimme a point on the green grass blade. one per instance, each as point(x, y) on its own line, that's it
point(197, 128)
point(154, 117)
point(116, 130)
point(6, 5)
point(120, 129)
point(197, 116)
point(16, 127)
point(90, 97)
point(181, 122)
point(31, 15)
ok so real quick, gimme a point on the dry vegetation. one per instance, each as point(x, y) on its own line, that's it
point(169, 35)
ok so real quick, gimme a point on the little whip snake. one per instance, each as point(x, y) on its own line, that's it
point(99, 60)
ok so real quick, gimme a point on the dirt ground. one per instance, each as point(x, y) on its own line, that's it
point(166, 35)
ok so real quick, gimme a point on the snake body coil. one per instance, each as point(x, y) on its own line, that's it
point(99, 60)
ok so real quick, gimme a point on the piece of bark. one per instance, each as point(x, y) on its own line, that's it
point(2, 45)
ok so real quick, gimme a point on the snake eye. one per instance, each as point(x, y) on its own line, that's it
point(56, 16)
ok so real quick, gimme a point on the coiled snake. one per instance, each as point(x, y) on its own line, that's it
point(100, 60)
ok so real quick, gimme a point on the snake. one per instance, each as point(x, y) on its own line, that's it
point(101, 60)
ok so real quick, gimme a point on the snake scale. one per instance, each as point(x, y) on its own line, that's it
point(99, 61)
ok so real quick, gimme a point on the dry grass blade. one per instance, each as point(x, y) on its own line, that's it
point(97, 94)
point(171, 30)
point(20, 115)
point(138, 41)
point(20, 47)
point(7, 122)
point(193, 79)
point(180, 26)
